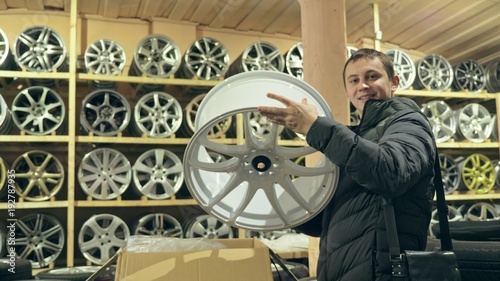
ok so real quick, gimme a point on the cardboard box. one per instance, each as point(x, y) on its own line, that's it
point(242, 260)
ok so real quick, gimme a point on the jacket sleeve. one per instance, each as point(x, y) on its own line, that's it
point(404, 153)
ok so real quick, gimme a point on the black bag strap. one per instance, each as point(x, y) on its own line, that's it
point(442, 208)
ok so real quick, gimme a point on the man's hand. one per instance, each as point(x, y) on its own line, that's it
point(298, 117)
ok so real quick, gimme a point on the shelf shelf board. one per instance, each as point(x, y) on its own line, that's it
point(37, 205)
point(458, 95)
point(134, 203)
point(142, 140)
point(468, 145)
point(148, 80)
point(472, 196)
point(33, 138)
point(36, 75)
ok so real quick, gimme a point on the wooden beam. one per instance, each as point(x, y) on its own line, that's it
point(35, 5)
point(111, 8)
point(324, 40)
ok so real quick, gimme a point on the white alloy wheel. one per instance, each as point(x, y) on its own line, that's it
point(253, 188)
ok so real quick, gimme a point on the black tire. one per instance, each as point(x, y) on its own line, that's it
point(477, 260)
point(22, 269)
point(77, 273)
point(298, 269)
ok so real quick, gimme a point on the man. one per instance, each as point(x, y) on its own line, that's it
point(389, 155)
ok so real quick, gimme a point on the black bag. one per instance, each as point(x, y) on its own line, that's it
point(423, 265)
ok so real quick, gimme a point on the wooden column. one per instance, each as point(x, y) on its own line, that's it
point(325, 52)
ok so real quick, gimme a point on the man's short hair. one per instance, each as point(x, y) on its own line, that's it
point(372, 54)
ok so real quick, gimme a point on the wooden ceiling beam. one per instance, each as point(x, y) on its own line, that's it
point(255, 14)
point(111, 8)
point(224, 12)
point(289, 17)
point(180, 9)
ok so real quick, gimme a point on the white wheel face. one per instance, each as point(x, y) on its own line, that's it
point(206, 59)
point(253, 188)
point(404, 67)
point(229, 189)
point(105, 57)
point(101, 236)
point(434, 73)
point(38, 110)
point(104, 173)
point(442, 119)
point(158, 225)
point(158, 174)
point(261, 127)
point(209, 227)
point(470, 76)
point(39, 175)
point(294, 61)
point(39, 238)
point(249, 89)
point(157, 114)
point(39, 48)
point(474, 122)
point(157, 56)
point(105, 113)
point(191, 111)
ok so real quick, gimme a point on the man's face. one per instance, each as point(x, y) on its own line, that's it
point(367, 79)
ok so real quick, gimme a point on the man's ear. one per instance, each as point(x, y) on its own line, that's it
point(395, 84)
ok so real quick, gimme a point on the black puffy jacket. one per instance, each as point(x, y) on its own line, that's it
point(390, 154)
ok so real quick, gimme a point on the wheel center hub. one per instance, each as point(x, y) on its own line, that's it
point(106, 112)
point(261, 163)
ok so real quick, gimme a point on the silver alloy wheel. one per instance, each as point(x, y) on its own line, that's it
point(294, 61)
point(101, 236)
point(39, 175)
point(158, 174)
point(253, 188)
point(7, 61)
point(350, 51)
point(159, 224)
point(259, 55)
point(191, 110)
point(434, 72)
point(469, 75)
point(492, 72)
point(105, 113)
point(404, 67)
point(205, 59)
point(104, 173)
point(482, 211)
point(158, 115)
point(261, 127)
point(105, 57)
point(209, 227)
point(39, 238)
point(38, 110)
point(453, 215)
point(474, 122)
point(450, 173)
point(39, 48)
point(157, 56)
point(6, 122)
point(442, 119)
point(4, 180)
